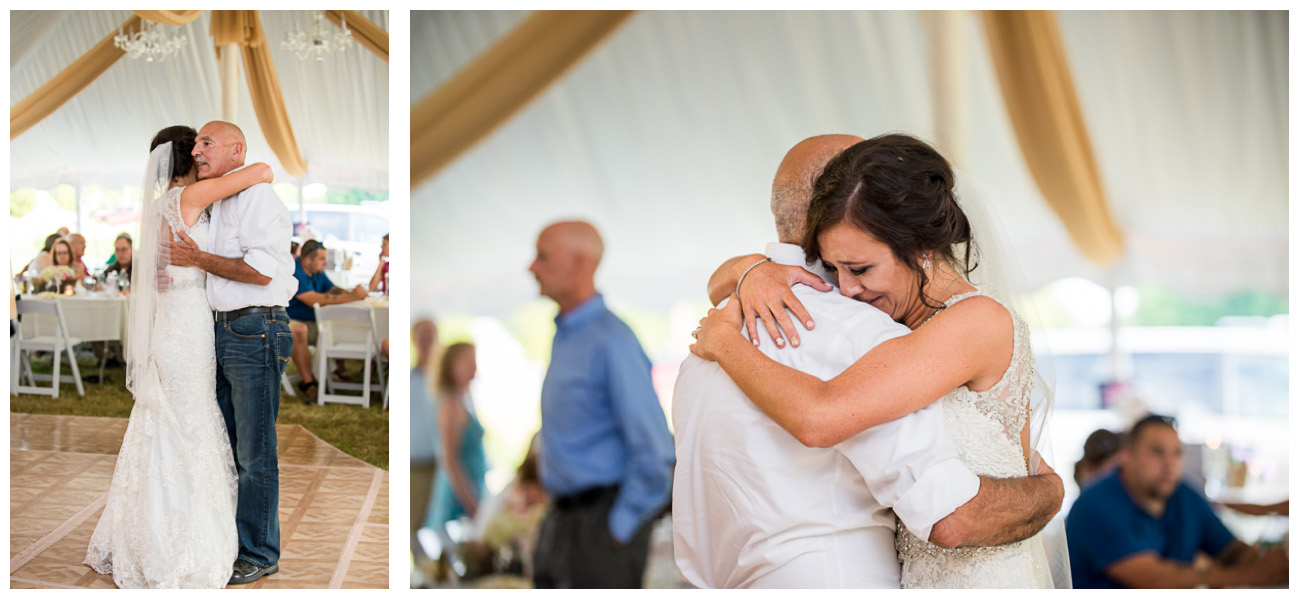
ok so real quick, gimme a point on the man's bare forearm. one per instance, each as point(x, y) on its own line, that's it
point(234, 269)
point(1004, 511)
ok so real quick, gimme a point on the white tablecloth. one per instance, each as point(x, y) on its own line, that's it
point(89, 318)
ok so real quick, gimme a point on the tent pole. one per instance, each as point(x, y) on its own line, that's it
point(230, 83)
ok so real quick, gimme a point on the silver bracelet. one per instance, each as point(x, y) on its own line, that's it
point(751, 268)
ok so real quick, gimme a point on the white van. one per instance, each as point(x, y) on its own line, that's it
point(351, 232)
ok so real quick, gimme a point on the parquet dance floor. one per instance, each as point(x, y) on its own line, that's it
point(333, 507)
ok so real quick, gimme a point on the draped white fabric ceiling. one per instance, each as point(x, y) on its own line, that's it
point(667, 135)
point(338, 108)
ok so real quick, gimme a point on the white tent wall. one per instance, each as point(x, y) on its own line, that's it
point(667, 135)
point(338, 107)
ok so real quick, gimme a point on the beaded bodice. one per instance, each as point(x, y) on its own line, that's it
point(985, 427)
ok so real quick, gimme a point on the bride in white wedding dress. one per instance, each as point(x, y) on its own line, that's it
point(885, 221)
point(170, 517)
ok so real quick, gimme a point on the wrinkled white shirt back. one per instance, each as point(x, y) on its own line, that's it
point(254, 225)
point(752, 507)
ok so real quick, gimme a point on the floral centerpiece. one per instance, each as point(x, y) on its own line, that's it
point(55, 275)
point(53, 272)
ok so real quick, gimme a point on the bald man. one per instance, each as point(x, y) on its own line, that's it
point(606, 454)
point(249, 285)
point(753, 507)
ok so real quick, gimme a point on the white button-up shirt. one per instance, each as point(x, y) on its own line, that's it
point(752, 507)
point(254, 225)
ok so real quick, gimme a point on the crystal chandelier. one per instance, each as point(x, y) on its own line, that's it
point(321, 40)
point(150, 43)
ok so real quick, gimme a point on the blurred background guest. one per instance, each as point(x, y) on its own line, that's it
point(293, 249)
point(44, 258)
point(121, 260)
point(460, 483)
point(606, 453)
point(424, 432)
point(379, 281)
point(63, 257)
point(78, 243)
point(1143, 527)
point(1100, 457)
point(314, 287)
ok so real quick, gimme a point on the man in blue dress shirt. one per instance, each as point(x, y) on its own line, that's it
point(1142, 527)
point(606, 454)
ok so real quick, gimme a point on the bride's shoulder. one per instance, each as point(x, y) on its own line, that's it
point(979, 316)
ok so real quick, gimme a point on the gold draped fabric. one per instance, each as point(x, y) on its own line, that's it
point(485, 93)
point(1044, 110)
point(244, 28)
point(363, 31)
point(168, 17)
point(68, 83)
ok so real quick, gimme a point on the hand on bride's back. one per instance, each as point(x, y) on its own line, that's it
point(765, 293)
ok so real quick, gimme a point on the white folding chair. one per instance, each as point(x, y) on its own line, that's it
point(57, 344)
point(343, 332)
point(381, 361)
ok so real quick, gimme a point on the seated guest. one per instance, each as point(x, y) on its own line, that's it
point(1100, 456)
point(293, 249)
point(1142, 527)
point(44, 258)
point(63, 257)
point(121, 262)
point(78, 243)
point(314, 287)
point(378, 281)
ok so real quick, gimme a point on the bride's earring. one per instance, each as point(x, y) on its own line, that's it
point(926, 265)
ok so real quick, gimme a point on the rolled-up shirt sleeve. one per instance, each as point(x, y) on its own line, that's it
point(910, 465)
point(262, 232)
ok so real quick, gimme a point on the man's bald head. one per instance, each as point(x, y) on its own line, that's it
point(568, 253)
point(792, 187)
point(219, 149)
point(579, 237)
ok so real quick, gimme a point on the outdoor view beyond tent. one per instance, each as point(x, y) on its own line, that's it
point(198, 206)
point(587, 185)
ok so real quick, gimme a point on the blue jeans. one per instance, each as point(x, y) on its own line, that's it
point(252, 352)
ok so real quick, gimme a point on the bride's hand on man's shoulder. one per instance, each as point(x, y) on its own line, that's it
point(717, 323)
point(765, 293)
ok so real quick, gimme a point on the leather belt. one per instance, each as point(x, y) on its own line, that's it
point(584, 498)
point(231, 315)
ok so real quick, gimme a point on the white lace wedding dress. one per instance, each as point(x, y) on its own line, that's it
point(170, 517)
point(985, 427)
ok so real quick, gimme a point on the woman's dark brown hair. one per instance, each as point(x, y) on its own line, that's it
point(54, 255)
point(182, 138)
point(900, 190)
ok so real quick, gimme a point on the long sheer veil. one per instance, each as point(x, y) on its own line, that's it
point(998, 272)
point(147, 258)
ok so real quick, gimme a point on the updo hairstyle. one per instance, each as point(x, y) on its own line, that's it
point(182, 138)
point(900, 190)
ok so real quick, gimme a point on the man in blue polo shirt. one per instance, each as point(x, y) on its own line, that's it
point(1142, 527)
point(314, 287)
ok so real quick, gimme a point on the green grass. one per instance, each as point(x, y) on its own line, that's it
point(360, 432)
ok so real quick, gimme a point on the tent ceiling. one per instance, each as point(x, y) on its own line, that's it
point(338, 107)
point(667, 135)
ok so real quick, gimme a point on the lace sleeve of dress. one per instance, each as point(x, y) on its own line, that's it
point(171, 211)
